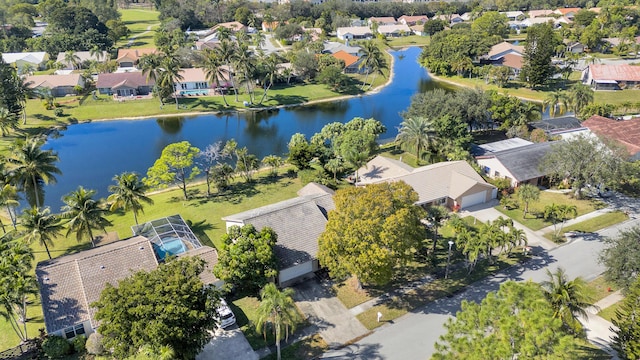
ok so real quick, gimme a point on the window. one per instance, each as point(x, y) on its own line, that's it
point(74, 331)
point(441, 201)
point(487, 170)
point(497, 174)
point(183, 86)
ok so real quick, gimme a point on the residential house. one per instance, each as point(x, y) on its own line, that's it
point(194, 82)
point(452, 183)
point(624, 132)
point(575, 47)
point(354, 32)
point(559, 125)
point(69, 284)
point(394, 30)
point(513, 15)
point(556, 22)
point(82, 58)
point(128, 58)
point(613, 42)
point(351, 62)
point(466, 16)
point(26, 60)
point(451, 19)
point(233, 27)
point(520, 164)
point(568, 13)
point(59, 85)
point(418, 30)
point(539, 13)
point(270, 26)
point(506, 54)
point(387, 20)
point(411, 20)
point(314, 33)
point(124, 84)
point(298, 222)
point(332, 47)
point(611, 77)
point(497, 146)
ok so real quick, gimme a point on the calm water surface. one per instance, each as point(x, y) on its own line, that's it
point(92, 153)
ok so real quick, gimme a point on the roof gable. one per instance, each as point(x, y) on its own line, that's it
point(346, 57)
point(626, 132)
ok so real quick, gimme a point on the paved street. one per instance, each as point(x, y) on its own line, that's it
point(413, 336)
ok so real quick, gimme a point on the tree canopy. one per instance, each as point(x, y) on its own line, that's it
point(540, 47)
point(168, 306)
point(175, 165)
point(621, 257)
point(372, 232)
point(627, 339)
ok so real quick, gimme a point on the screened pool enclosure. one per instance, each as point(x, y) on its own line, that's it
point(169, 236)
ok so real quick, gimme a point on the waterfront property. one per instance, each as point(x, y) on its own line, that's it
point(354, 33)
point(454, 184)
point(611, 77)
point(70, 284)
point(59, 85)
point(298, 222)
point(124, 84)
point(624, 132)
point(520, 164)
point(128, 58)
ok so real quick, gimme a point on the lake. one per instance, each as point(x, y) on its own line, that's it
point(92, 153)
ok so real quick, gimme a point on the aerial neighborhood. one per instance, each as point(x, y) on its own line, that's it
point(303, 179)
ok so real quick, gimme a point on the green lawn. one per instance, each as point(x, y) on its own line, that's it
point(534, 220)
point(411, 40)
point(139, 21)
point(599, 288)
point(308, 348)
point(595, 224)
point(610, 312)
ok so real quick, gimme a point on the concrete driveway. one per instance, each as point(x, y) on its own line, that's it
point(228, 344)
point(335, 323)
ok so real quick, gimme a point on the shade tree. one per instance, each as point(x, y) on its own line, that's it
point(626, 340)
point(621, 257)
point(175, 165)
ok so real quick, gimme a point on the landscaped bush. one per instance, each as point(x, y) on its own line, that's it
point(79, 344)
point(94, 344)
point(58, 112)
point(56, 347)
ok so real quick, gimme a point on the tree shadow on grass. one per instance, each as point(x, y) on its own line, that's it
point(288, 99)
point(44, 117)
point(199, 229)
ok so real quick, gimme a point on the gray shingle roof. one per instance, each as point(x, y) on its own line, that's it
point(558, 124)
point(524, 162)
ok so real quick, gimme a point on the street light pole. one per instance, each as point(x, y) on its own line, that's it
point(446, 272)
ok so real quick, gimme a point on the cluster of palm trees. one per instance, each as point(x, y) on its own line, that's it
point(418, 134)
point(490, 237)
point(575, 99)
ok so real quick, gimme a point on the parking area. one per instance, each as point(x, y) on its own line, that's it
point(228, 344)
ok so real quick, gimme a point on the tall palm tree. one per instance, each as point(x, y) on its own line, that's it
point(556, 103)
point(517, 237)
point(372, 60)
point(96, 52)
point(277, 308)
point(416, 133)
point(246, 65)
point(214, 71)
point(40, 226)
point(84, 214)
point(71, 58)
point(9, 199)
point(8, 121)
point(335, 165)
point(23, 92)
point(128, 194)
point(169, 74)
point(568, 298)
point(228, 52)
point(30, 168)
point(357, 160)
point(580, 95)
point(270, 71)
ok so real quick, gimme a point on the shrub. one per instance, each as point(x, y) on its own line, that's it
point(56, 347)
point(94, 344)
point(79, 344)
point(58, 112)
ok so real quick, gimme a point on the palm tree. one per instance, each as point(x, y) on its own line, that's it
point(23, 92)
point(568, 298)
point(40, 226)
point(213, 71)
point(357, 160)
point(335, 165)
point(278, 309)
point(170, 74)
point(559, 213)
point(245, 63)
point(9, 199)
point(8, 121)
point(527, 193)
point(31, 167)
point(274, 162)
point(70, 58)
point(149, 64)
point(96, 52)
point(416, 133)
point(372, 60)
point(128, 194)
point(556, 103)
point(580, 95)
point(84, 214)
point(228, 52)
point(517, 237)
point(270, 71)
point(436, 215)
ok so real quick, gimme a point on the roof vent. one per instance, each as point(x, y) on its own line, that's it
point(102, 267)
point(46, 279)
point(141, 248)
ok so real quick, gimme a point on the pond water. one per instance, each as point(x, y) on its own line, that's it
point(92, 153)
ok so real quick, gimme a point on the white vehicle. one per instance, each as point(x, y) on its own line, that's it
point(225, 316)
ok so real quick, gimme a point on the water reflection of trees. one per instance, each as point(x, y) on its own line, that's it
point(171, 125)
point(324, 109)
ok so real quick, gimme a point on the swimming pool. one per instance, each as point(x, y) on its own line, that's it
point(194, 92)
point(170, 247)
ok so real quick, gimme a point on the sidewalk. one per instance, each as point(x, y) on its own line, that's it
point(599, 331)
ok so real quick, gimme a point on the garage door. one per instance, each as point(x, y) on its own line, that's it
point(296, 271)
point(474, 199)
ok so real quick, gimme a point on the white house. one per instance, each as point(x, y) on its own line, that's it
point(33, 60)
point(520, 164)
point(394, 30)
point(354, 32)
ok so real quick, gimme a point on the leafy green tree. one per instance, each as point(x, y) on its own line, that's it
point(221, 175)
point(621, 257)
point(84, 214)
point(40, 226)
point(372, 232)
point(584, 17)
point(569, 299)
point(176, 164)
point(417, 134)
point(434, 26)
point(527, 193)
point(447, 47)
point(491, 23)
point(168, 306)
point(278, 309)
point(17, 283)
point(128, 194)
point(31, 168)
point(247, 260)
point(559, 214)
point(540, 47)
point(515, 321)
point(300, 152)
point(9, 94)
point(627, 328)
point(334, 78)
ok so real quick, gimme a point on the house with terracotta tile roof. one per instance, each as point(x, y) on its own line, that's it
point(624, 132)
point(59, 85)
point(351, 62)
point(130, 57)
point(611, 77)
point(124, 84)
point(411, 20)
point(569, 13)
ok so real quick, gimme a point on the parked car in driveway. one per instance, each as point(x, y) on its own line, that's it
point(225, 316)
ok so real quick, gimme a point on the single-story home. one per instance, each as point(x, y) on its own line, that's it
point(454, 184)
point(233, 26)
point(506, 54)
point(298, 222)
point(33, 60)
point(194, 81)
point(385, 20)
point(575, 47)
point(354, 32)
point(497, 146)
point(569, 13)
point(395, 30)
point(82, 57)
point(451, 19)
point(625, 132)
point(555, 126)
point(124, 84)
point(69, 284)
point(611, 77)
point(513, 15)
point(543, 20)
point(59, 85)
point(351, 62)
point(539, 13)
point(411, 20)
point(418, 30)
point(520, 164)
point(332, 47)
point(130, 57)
